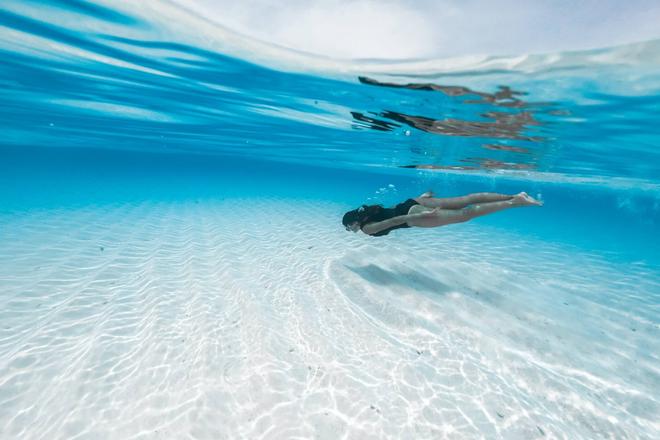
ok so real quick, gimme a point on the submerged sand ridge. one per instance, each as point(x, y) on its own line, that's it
point(235, 318)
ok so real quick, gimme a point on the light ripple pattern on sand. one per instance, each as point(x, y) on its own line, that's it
point(245, 318)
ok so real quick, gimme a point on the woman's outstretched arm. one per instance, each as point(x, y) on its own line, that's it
point(376, 227)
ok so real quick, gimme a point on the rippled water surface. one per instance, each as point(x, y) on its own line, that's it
point(172, 262)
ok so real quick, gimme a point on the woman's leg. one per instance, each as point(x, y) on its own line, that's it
point(461, 202)
point(441, 217)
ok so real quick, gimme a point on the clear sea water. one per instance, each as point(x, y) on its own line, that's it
point(172, 262)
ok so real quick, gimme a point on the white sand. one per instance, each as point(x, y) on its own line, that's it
point(237, 319)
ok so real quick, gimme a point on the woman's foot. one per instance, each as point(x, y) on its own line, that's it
point(525, 199)
point(428, 193)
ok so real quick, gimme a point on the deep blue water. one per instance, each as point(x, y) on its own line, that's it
point(100, 104)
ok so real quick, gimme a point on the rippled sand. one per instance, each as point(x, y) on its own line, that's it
point(265, 319)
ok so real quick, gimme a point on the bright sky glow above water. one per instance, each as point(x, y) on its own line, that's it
point(395, 29)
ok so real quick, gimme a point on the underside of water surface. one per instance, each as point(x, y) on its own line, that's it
point(173, 262)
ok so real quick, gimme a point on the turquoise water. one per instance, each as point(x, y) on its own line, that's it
point(150, 161)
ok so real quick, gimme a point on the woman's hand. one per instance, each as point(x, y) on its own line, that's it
point(425, 214)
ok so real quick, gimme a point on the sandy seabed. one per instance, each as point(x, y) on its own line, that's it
point(265, 319)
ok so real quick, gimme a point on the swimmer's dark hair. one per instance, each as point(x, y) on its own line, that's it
point(361, 215)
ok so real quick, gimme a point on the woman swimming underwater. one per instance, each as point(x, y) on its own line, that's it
point(427, 211)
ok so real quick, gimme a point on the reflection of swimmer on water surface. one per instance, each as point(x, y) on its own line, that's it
point(506, 125)
point(483, 163)
point(495, 123)
point(427, 211)
point(503, 124)
point(505, 96)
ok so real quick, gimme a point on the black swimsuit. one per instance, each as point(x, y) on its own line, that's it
point(388, 213)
